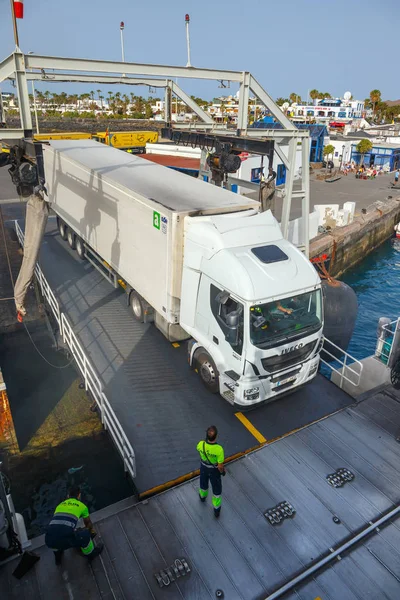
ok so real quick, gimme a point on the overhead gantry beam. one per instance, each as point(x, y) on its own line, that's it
point(35, 61)
point(57, 69)
point(106, 79)
point(7, 68)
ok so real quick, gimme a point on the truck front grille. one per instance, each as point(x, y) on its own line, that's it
point(282, 361)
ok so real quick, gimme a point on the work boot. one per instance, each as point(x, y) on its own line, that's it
point(217, 512)
point(98, 550)
point(202, 499)
point(58, 554)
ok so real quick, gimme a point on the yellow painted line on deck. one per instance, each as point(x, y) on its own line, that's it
point(250, 427)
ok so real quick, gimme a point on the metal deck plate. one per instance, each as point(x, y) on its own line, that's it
point(161, 404)
point(241, 553)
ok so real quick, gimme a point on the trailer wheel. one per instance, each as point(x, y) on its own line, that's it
point(80, 248)
point(208, 372)
point(62, 228)
point(137, 306)
point(71, 238)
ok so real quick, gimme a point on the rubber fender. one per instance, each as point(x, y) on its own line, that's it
point(340, 314)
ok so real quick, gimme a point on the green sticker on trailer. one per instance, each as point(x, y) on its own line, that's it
point(156, 219)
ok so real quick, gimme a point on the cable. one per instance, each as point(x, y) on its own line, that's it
point(13, 284)
point(44, 358)
point(5, 247)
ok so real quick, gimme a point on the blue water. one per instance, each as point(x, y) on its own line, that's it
point(376, 282)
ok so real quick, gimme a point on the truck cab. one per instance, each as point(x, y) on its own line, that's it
point(252, 303)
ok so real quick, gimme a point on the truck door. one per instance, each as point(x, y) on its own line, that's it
point(226, 329)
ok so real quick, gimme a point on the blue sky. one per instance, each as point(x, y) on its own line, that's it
point(288, 45)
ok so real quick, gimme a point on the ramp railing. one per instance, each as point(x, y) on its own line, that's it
point(347, 368)
point(91, 380)
point(388, 342)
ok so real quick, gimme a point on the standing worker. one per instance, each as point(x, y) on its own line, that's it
point(211, 468)
point(61, 532)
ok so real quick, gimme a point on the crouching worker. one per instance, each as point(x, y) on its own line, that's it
point(61, 532)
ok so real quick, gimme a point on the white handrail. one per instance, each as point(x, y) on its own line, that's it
point(387, 341)
point(90, 378)
point(345, 368)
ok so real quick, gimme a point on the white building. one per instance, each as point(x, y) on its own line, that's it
point(327, 109)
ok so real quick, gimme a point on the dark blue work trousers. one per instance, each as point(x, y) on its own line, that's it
point(62, 537)
point(212, 475)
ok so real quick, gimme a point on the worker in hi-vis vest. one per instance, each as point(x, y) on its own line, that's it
point(211, 468)
point(61, 532)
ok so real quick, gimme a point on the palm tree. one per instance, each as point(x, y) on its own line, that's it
point(328, 150)
point(47, 96)
point(294, 98)
point(314, 94)
point(363, 147)
point(375, 97)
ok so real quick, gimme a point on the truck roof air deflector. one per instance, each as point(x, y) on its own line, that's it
point(269, 254)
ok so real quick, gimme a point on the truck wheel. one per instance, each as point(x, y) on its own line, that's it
point(71, 238)
point(62, 228)
point(80, 248)
point(208, 372)
point(137, 306)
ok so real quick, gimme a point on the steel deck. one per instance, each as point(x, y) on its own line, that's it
point(161, 404)
point(242, 554)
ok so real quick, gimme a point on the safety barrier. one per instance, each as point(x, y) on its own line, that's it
point(387, 342)
point(91, 381)
point(349, 368)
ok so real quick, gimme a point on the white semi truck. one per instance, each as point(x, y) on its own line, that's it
point(201, 262)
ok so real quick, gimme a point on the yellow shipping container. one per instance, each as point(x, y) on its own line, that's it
point(126, 139)
point(64, 135)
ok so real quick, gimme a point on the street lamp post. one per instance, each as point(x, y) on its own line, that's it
point(121, 27)
point(187, 21)
point(341, 162)
point(34, 101)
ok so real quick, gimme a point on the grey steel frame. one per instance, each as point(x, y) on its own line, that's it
point(16, 67)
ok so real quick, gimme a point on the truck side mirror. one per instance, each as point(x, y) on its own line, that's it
point(232, 327)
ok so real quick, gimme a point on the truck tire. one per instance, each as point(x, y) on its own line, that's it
point(208, 371)
point(137, 306)
point(80, 248)
point(71, 238)
point(62, 228)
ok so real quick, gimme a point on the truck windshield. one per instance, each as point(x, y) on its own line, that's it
point(278, 321)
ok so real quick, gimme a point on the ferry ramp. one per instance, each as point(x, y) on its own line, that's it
point(161, 404)
point(341, 544)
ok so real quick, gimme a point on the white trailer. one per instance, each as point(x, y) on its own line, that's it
point(200, 261)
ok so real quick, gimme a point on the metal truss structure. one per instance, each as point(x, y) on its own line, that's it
point(21, 67)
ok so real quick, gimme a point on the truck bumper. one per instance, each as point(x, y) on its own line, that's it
point(245, 394)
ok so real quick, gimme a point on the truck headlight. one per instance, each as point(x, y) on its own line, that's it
point(252, 393)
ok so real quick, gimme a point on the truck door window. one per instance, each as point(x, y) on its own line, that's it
point(229, 315)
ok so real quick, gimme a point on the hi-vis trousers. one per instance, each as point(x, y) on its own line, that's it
point(211, 474)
